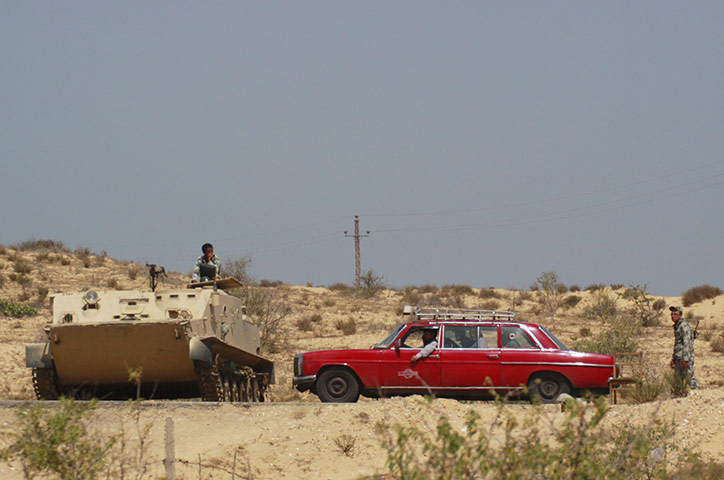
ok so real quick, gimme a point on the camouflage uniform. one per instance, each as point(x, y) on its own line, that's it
point(684, 351)
point(201, 262)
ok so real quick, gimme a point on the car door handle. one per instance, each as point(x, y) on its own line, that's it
point(492, 357)
point(433, 356)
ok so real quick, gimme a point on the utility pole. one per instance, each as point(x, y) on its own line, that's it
point(357, 236)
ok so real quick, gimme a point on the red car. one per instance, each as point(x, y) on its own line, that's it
point(478, 351)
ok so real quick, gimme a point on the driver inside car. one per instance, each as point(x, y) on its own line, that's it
point(429, 340)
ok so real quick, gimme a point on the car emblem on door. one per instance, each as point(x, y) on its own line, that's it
point(407, 374)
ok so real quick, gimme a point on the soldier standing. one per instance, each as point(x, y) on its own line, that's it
point(683, 359)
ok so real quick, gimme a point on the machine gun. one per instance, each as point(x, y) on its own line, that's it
point(154, 273)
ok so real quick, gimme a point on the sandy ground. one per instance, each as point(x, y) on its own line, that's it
point(295, 436)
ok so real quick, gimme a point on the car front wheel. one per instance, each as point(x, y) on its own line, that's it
point(547, 387)
point(337, 385)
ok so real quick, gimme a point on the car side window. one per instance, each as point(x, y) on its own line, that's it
point(515, 337)
point(488, 337)
point(412, 339)
point(458, 336)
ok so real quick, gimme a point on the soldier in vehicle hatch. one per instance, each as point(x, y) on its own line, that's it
point(682, 361)
point(208, 265)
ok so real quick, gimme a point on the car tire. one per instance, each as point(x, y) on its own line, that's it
point(337, 385)
point(547, 387)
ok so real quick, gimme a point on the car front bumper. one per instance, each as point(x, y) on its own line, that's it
point(304, 383)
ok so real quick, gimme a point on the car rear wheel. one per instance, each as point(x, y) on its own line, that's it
point(337, 385)
point(547, 387)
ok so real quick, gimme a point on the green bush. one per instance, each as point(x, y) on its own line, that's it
point(370, 284)
point(59, 443)
point(509, 449)
point(642, 307)
point(14, 309)
point(551, 292)
point(699, 293)
point(66, 442)
point(602, 306)
point(618, 336)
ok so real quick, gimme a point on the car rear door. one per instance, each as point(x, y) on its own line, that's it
point(470, 357)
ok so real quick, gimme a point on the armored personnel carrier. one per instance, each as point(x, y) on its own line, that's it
point(177, 343)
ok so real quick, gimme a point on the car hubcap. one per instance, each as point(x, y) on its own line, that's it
point(337, 386)
point(549, 388)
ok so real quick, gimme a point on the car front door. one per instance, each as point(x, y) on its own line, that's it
point(398, 372)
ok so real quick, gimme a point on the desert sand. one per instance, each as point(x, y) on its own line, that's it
point(294, 436)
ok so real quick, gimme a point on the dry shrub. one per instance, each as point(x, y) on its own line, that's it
point(112, 283)
point(22, 267)
point(339, 287)
point(345, 443)
point(699, 294)
point(574, 288)
point(595, 287)
point(457, 290)
point(490, 305)
point(717, 344)
point(267, 310)
point(42, 294)
point(22, 280)
point(486, 293)
point(570, 301)
point(305, 324)
point(84, 255)
point(347, 327)
point(132, 271)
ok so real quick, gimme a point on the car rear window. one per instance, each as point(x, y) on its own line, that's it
point(515, 337)
point(558, 343)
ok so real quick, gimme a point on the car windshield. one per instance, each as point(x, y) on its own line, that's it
point(558, 343)
point(390, 338)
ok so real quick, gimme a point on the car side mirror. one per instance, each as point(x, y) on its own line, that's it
point(397, 346)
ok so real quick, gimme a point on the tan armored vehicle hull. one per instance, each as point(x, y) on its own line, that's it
point(191, 342)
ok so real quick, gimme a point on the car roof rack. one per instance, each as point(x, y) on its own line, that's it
point(443, 314)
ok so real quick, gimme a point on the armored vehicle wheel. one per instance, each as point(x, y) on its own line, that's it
point(337, 385)
point(45, 383)
point(209, 381)
point(547, 387)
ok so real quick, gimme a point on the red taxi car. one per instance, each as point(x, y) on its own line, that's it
point(479, 351)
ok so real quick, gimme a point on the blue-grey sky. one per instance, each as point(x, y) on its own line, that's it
point(480, 143)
